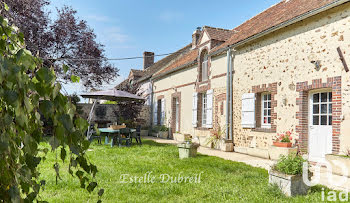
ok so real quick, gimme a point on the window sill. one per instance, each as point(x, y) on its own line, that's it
point(266, 130)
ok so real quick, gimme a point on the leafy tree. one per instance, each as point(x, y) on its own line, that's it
point(27, 88)
point(65, 37)
point(130, 110)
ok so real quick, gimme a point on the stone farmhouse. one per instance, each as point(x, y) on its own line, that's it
point(283, 70)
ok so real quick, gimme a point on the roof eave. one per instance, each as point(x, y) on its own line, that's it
point(281, 25)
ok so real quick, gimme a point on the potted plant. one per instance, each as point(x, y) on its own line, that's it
point(187, 149)
point(287, 175)
point(163, 132)
point(283, 140)
point(144, 130)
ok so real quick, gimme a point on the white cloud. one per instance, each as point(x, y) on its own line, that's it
point(170, 16)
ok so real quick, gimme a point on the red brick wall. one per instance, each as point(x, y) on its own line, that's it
point(302, 115)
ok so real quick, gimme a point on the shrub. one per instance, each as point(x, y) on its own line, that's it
point(291, 164)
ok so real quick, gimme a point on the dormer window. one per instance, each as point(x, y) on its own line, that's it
point(204, 67)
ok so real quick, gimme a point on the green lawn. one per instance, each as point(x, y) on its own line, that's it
point(221, 180)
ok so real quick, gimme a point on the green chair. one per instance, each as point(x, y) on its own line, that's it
point(136, 135)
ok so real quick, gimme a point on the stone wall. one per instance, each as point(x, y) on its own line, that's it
point(285, 58)
point(108, 113)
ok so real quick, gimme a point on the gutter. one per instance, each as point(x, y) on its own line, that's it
point(282, 25)
point(174, 70)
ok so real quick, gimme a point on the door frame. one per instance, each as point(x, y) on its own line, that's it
point(310, 114)
point(176, 95)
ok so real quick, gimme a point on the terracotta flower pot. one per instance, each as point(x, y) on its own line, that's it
point(282, 144)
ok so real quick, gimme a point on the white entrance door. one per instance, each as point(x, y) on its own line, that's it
point(320, 126)
point(177, 114)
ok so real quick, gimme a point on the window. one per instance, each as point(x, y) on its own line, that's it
point(322, 108)
point(204, 109)
point(266, 110)
point(204, 67)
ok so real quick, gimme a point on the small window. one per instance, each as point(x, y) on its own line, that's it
point(266, 110)
point(204, 109)
point(204, 67)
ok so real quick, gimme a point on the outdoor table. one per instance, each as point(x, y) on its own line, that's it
point(110, 132)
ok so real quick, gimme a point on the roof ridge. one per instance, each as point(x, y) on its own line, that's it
point(217, 28)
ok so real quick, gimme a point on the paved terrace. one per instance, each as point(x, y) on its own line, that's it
point(259, 162)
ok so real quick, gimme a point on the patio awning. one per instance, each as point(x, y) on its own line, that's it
point(112, 95)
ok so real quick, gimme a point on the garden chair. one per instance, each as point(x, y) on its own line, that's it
point(137, 135)
point(93, 134)
point(124, 135)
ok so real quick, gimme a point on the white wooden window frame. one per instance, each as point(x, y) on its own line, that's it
point(267, 108)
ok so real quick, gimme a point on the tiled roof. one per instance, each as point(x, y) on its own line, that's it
point(271, 17)
point(185, 59)
point(137, 73)
point(164, 62)
point(218, 33)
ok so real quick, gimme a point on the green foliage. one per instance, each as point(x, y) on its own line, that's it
point(159, 128)
point(110, 102)
point(291, 164)
point(27, 88)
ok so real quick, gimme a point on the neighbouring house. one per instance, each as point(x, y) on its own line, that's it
point(289, 73)
point(190, 94)
point(142, 78)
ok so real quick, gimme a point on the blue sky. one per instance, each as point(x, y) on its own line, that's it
point(128, 27)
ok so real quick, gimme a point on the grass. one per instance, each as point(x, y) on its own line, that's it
point(221, 180)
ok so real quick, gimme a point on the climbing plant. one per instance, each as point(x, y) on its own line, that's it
point(29, 93)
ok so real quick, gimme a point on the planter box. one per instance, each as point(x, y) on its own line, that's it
point(336, 169)
point(226, 145)
point(187, 150)
point(290, 185)
point(276, 152)
point(242, 150)
point(154, 134)
point(203, 141)
point(262, 153)
point(282, 144)
point(163, 134)
point(144, 133)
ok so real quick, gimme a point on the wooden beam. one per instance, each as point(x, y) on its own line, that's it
point(342, 59)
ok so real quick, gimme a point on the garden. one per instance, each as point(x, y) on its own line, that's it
point(220, 180)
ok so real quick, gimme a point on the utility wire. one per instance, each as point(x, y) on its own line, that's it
point(108, 59)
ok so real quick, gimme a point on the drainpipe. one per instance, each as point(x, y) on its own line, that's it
point(231, 92)
point(151, 101)
point(228, 90)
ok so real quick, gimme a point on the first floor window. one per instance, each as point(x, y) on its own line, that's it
point(204, 109)
point(266, 110)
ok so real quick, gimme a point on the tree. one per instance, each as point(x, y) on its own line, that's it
point(65, 38)
point(29, 92)
point(130, 110)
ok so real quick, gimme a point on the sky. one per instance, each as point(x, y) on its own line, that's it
point(127, 28)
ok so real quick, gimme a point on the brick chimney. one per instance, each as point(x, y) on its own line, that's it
point(148, 59)
point(195, 37)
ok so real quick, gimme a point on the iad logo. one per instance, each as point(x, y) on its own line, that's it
point(317, 174)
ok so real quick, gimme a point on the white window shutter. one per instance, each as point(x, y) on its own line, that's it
point(248, 110)
point(155, 114)
point(209, 109)
point(163, 111)
point(194, 109)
